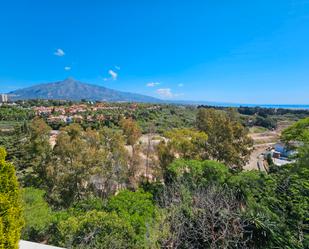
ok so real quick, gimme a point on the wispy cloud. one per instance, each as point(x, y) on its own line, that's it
point(67, 68)
point(59, 52)
point(113, 74)
point(180, 85)
point(153, 84)
point(165, 92)
point(117, 67)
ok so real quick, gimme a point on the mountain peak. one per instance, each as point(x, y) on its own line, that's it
point(69, 79)
point(72, 89)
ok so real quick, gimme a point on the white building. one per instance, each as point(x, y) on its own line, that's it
point(4, 98)
point(281, 162)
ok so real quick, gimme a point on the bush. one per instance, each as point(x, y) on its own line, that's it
point(266, 122)
point(11, 221)
point(38, 215)
point(138, 209)
point(96, 229)
point(195, 172)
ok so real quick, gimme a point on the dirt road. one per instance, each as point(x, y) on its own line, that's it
point(256, 161)
point(262, 141)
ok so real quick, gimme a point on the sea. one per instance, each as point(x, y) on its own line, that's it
point(306, 107)
point(224, 104)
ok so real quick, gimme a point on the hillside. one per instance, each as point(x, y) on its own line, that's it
point(70, 89)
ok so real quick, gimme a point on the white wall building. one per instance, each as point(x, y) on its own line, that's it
point(4, 98)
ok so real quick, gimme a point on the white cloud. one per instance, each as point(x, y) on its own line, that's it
point(152, 84)
point(59, 52)
point(113, 74)
point(180, 85)
point(67, 68)
point(165, 92)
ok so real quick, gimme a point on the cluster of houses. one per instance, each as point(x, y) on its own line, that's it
point(75, 118)
point(78, 112)
point(64, 114)
point(80, 108)
point(69, 110)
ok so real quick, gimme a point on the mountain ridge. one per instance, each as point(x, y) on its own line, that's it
point(71, 89)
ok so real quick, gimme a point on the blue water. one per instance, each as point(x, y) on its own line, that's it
point(244, 105)
point(269, 106)
point(287, 106)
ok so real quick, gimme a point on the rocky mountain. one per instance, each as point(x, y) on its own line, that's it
point(70, 89)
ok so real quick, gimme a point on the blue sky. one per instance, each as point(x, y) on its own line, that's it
point(213, 50)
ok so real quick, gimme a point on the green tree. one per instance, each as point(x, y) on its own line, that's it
point(11, 221)
point(182, 143)
point(14, 142)
point(86, 163)
point(115, 169)
point(132, 134)
point(38, 151)
point(131, 130)
point(299, 131)
point(228, 140)
point(77, 157)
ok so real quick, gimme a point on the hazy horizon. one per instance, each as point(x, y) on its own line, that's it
point(203, 102)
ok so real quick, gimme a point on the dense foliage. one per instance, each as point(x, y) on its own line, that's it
point(107, 186)
point(211, 207)
point(297, 132)
point(9, 113)
point(264, 117)
point(37, 212)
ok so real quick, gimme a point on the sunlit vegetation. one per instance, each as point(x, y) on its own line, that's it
point(181, 185)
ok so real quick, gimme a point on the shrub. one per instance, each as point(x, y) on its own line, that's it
point(138, 209)
point(38, 215)
point(11, 221)
point(96, 229)
point(195, 172)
